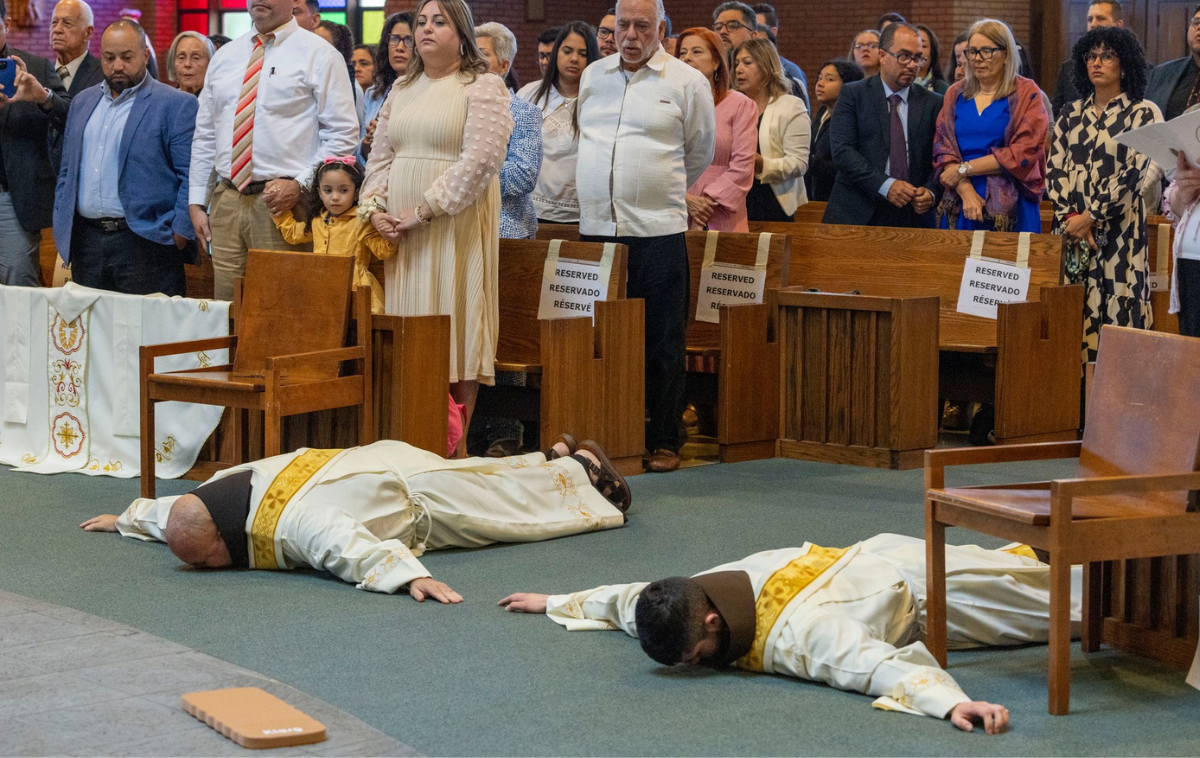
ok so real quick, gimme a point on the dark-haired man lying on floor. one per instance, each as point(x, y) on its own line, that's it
point(367, 513)
point(851, 618)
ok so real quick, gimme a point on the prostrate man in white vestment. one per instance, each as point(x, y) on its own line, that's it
point(851, 618)
point(368, 513)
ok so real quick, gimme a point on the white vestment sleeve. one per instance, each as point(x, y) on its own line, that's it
point(605, 608)
point(333, 540)
point(146, 519)
point(843, 653)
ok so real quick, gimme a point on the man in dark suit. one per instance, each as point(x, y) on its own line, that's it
point(1174, 85)
point(26, 174)
point(882, 140)
point(121, 215)
point(70, 34)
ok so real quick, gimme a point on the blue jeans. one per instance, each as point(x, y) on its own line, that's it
point(19, 262)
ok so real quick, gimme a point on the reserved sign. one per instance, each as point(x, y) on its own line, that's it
point(987, 283)
point(730, 283)
point(571, 287)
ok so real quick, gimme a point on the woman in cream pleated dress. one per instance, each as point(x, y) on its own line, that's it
point(432, 187)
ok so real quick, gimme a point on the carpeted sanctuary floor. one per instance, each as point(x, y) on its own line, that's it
point(473, 680)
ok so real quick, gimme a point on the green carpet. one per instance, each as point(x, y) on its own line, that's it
point(471, 679)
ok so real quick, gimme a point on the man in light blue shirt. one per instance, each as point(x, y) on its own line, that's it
point(120, 209)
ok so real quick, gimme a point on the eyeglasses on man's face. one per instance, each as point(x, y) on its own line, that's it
point(982, 53)
point(728, 26)
point(1195, 22)
point(860, 46)
point(906, 58)
point(1106, 56)
point(407, 40)
point(604, 32)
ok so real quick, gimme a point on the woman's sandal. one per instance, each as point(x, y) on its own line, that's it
point(609, 481)
point(567, 440)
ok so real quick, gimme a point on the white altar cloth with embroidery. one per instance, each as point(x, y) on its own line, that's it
point(70, 366)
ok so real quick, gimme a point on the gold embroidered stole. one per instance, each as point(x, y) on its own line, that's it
point(1023, 551)
point(783, 586)
point(276, 500)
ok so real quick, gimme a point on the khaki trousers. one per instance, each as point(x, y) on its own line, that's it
point(239, 223)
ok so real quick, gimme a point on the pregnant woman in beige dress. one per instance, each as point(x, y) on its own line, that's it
point(432, 187)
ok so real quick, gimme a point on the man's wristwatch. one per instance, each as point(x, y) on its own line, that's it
point(47, 104)
point(964, 168)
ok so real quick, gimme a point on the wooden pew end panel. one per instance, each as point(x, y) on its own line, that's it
point(748, 422)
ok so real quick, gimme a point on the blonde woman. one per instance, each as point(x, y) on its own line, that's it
point(432, 187)
point(783, 133)
point(990, 144)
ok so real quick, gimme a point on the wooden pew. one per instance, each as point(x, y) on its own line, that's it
point(579, 374)
point(1027, 361)
point(1161, 236)
point(740, 352)
point(810, 213)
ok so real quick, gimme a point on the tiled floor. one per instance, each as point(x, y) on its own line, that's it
point(76, 684)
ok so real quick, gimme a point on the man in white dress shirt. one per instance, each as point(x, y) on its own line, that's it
point(646, 133)
point(286, 91)
point(368, 513)
point(851, 618)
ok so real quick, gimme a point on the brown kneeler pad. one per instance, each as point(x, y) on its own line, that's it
point(253, 718)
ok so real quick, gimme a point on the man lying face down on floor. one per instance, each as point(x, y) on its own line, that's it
point(851, 618)
point(368, 513)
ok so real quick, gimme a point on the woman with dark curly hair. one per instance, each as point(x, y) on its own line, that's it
point(1095, 183)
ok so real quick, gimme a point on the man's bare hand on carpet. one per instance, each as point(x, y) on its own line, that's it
point(428, 587)
point(524, 602)
point(993, 718)
point(105, 523)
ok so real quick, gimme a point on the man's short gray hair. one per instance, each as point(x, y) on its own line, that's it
point(504, 43)
point(85, 11)
point(748, 14)
point(660, 12)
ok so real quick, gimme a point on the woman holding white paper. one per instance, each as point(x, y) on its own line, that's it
point(1096, 184)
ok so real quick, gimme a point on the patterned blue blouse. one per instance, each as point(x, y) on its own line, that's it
point(519, 174)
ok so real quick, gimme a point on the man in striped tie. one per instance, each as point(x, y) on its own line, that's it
point(275, 101)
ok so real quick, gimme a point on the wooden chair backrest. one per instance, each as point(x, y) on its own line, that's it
point(292, 303)
point(521, 265)
point(741, 249)
point(897, 262)
point(1143, 414)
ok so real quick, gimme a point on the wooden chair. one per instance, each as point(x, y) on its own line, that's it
point(292, 335)
point(1128, 499)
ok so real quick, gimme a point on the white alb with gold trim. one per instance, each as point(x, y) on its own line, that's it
point(70, 392)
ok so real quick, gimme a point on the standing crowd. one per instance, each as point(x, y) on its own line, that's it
point(423, 151)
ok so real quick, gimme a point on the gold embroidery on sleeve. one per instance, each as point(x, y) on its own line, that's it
point(918, 681)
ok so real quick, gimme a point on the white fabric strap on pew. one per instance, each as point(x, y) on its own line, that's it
point(1023, 241)
point(764, 251)
point(710, 249)
point(17, 332)
point(977, 243)
point(126, 338)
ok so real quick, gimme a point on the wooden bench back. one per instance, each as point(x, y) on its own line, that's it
point(810, 213)
point(521, 265)
point(896, 262)
point(1140, 426)
point(292, 303)
point(740, 249)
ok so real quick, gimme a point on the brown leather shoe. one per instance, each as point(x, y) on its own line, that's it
point(662, 461)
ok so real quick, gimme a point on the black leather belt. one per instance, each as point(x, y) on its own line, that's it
point(106, 224)
point(253, 188)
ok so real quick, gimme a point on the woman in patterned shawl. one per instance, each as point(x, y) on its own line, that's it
point(1095, 184)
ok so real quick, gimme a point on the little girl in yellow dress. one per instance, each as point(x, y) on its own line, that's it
point(334, 226)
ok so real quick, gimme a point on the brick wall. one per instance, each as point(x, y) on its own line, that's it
point(159, 19)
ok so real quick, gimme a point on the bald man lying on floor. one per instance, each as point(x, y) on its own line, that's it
point(851, 618)
point(368, 513)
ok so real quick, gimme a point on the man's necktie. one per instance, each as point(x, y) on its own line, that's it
point(243, 120)
point(898, 156)
point(64, 73)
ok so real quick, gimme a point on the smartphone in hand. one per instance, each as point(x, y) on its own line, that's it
point(8, 77)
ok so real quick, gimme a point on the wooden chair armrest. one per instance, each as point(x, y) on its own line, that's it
point(1113, 485)
point(317, 357)
point(936, 461)
point(192, 346)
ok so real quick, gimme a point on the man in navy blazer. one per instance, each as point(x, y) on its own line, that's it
point(121, 209)
point(1173, 85)
point(870, 190)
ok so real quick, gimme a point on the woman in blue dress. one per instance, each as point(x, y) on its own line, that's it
point(990, 144)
